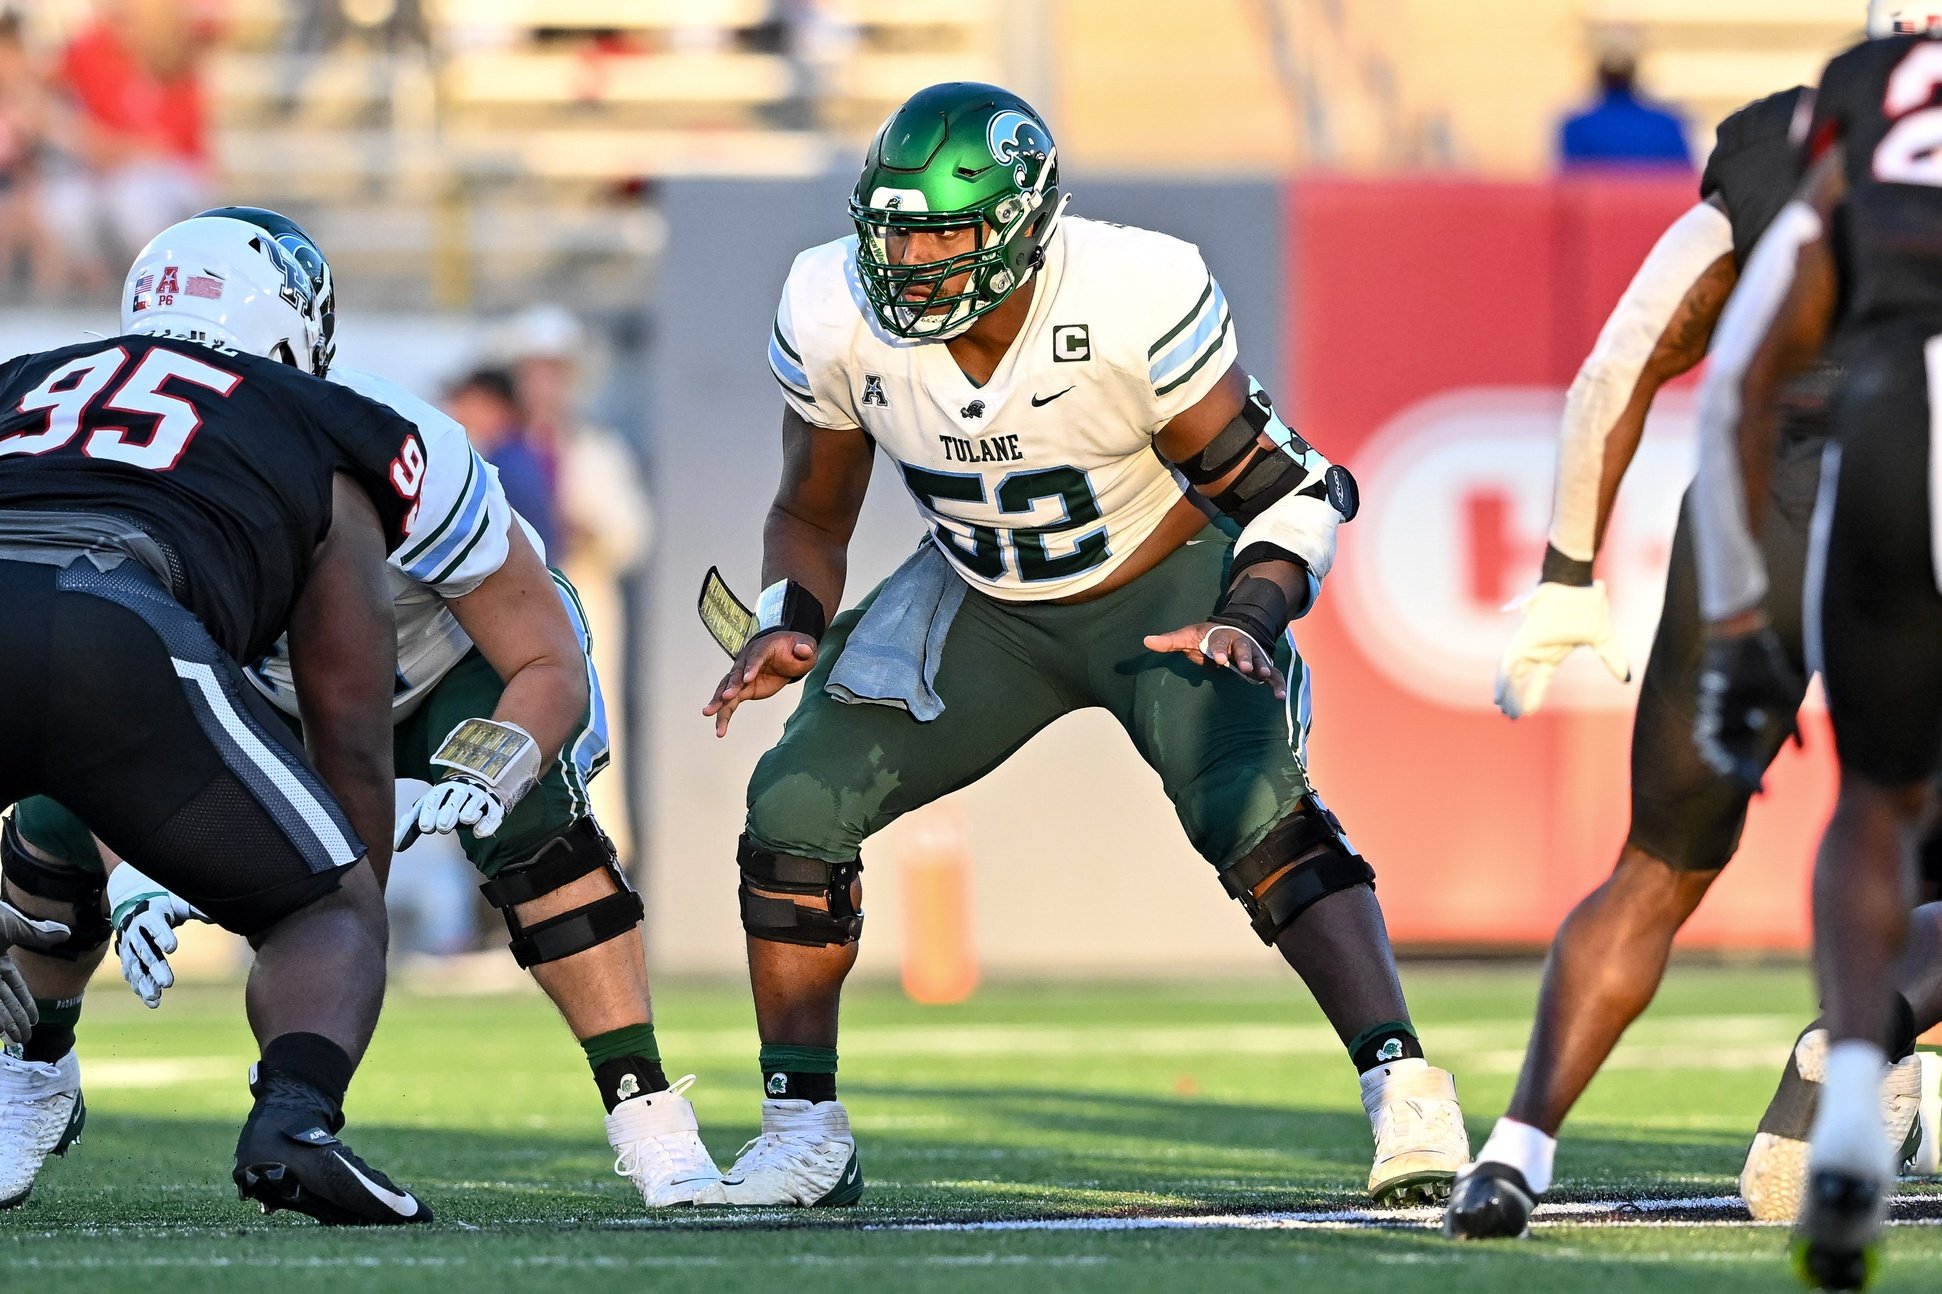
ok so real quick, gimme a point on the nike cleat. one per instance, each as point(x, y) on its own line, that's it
point(1420, 1140)
point(289, 1157)
point(41, 1114)
point(1774, 1180)
point(657, 1146)
point(806, 1157)
point(1490, 1201)
point(1836, 1244)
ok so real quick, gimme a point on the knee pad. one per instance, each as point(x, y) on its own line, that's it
point(1303, 859)
point(26, 874)
point(783, 920)
point(581, 850)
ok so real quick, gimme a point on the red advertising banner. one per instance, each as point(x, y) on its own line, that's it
point(1434, 326)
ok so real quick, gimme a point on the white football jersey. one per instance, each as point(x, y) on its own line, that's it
point(1043, 480)
point(455, 538)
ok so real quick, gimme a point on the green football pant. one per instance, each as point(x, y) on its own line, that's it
point(1229, 755)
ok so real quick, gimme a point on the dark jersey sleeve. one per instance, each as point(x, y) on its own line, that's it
point(1755, 166)
point(382, 451)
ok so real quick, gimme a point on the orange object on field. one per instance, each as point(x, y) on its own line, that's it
point(940, 965)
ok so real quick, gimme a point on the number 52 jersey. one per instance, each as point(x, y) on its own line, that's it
point(1040, 482)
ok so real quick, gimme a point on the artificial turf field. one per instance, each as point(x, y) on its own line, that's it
point(1175, 1138)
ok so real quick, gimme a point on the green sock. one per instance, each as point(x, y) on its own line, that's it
point(798, 1073)
point(53, 1037)
point(626, 1063)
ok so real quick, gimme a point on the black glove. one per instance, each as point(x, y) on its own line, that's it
point(1748, 694)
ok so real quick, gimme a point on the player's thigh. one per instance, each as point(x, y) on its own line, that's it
point(1229, 754)
point(842, 772)
point(177, 763)
point(1872, 595)
point(1683, 813)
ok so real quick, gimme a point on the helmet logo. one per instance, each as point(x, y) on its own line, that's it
point(973, 410)
point(1014, 139)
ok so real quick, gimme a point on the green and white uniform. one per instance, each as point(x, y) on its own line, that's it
point(458, 537)
point(1037, 484)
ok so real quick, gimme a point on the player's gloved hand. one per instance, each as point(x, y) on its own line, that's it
point(452, 803)
point(1558, 619)
point(1226, 647)
point(145, 914)
point(18, 1015)
point(491, 763)
point(1748, 694)
point(765, 665)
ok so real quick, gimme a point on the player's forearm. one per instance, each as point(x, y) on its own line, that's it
point(795, 549)
point(548, 698)
point(1658, 330)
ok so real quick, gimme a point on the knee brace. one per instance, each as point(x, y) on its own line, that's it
point(1308, 859)
point(581, 850)
point(783, 920)
point(26, 874)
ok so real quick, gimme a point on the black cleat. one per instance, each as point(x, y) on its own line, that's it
point(1836, 1242)
point(289, 1157)
point(1489, 1202)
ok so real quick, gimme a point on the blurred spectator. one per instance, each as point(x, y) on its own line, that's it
point(316, 28)
point(136, 138)
point(484, 401)
point(23, 124)
point(603, 512)
point(1620, 128)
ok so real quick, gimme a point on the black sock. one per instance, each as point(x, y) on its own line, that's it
point(1380, 1044)
point(53, 1037)
point(796, 1073)
point(313, 1060)
point(1901, 1038)
point(625, 1077)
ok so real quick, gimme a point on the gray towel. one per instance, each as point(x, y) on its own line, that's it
point(893, 653)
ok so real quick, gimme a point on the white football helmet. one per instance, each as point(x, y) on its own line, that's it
point(220, 280)
point(1903, 17)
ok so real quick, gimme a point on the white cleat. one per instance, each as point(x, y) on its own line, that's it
point(1420, 1139)
point(41, 1113)
point(657, 1146)
point(1774, 1180)
point(1927, 1159)
point(805, 1157)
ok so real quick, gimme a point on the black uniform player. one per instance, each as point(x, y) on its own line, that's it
point(1858, 256)
point(166, 509)
point(1611, 952)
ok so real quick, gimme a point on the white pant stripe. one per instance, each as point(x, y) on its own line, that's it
point(294, 792)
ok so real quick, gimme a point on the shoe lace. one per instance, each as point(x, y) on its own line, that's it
point(673, 1153)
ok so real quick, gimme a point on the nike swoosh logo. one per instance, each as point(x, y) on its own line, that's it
point(1039, 400)
point(401, 1204)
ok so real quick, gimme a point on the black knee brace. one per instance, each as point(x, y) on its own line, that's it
point(88, 929)
point(785, 921)
point(1322, 861)
point(580, 850)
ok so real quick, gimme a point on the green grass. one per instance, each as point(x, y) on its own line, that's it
point(1029, 1102)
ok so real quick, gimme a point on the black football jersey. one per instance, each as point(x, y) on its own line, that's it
point(1755, 166)
point(1881, 102)
point(225, 460)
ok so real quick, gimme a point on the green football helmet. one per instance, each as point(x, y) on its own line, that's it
point(956, 156)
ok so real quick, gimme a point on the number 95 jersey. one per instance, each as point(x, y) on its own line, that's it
point(1040, 482)
point(1881, 102)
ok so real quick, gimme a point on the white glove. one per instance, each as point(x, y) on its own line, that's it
point(453, 803)
point(145, 915)
point(18, 1015)
point(1558, 619)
